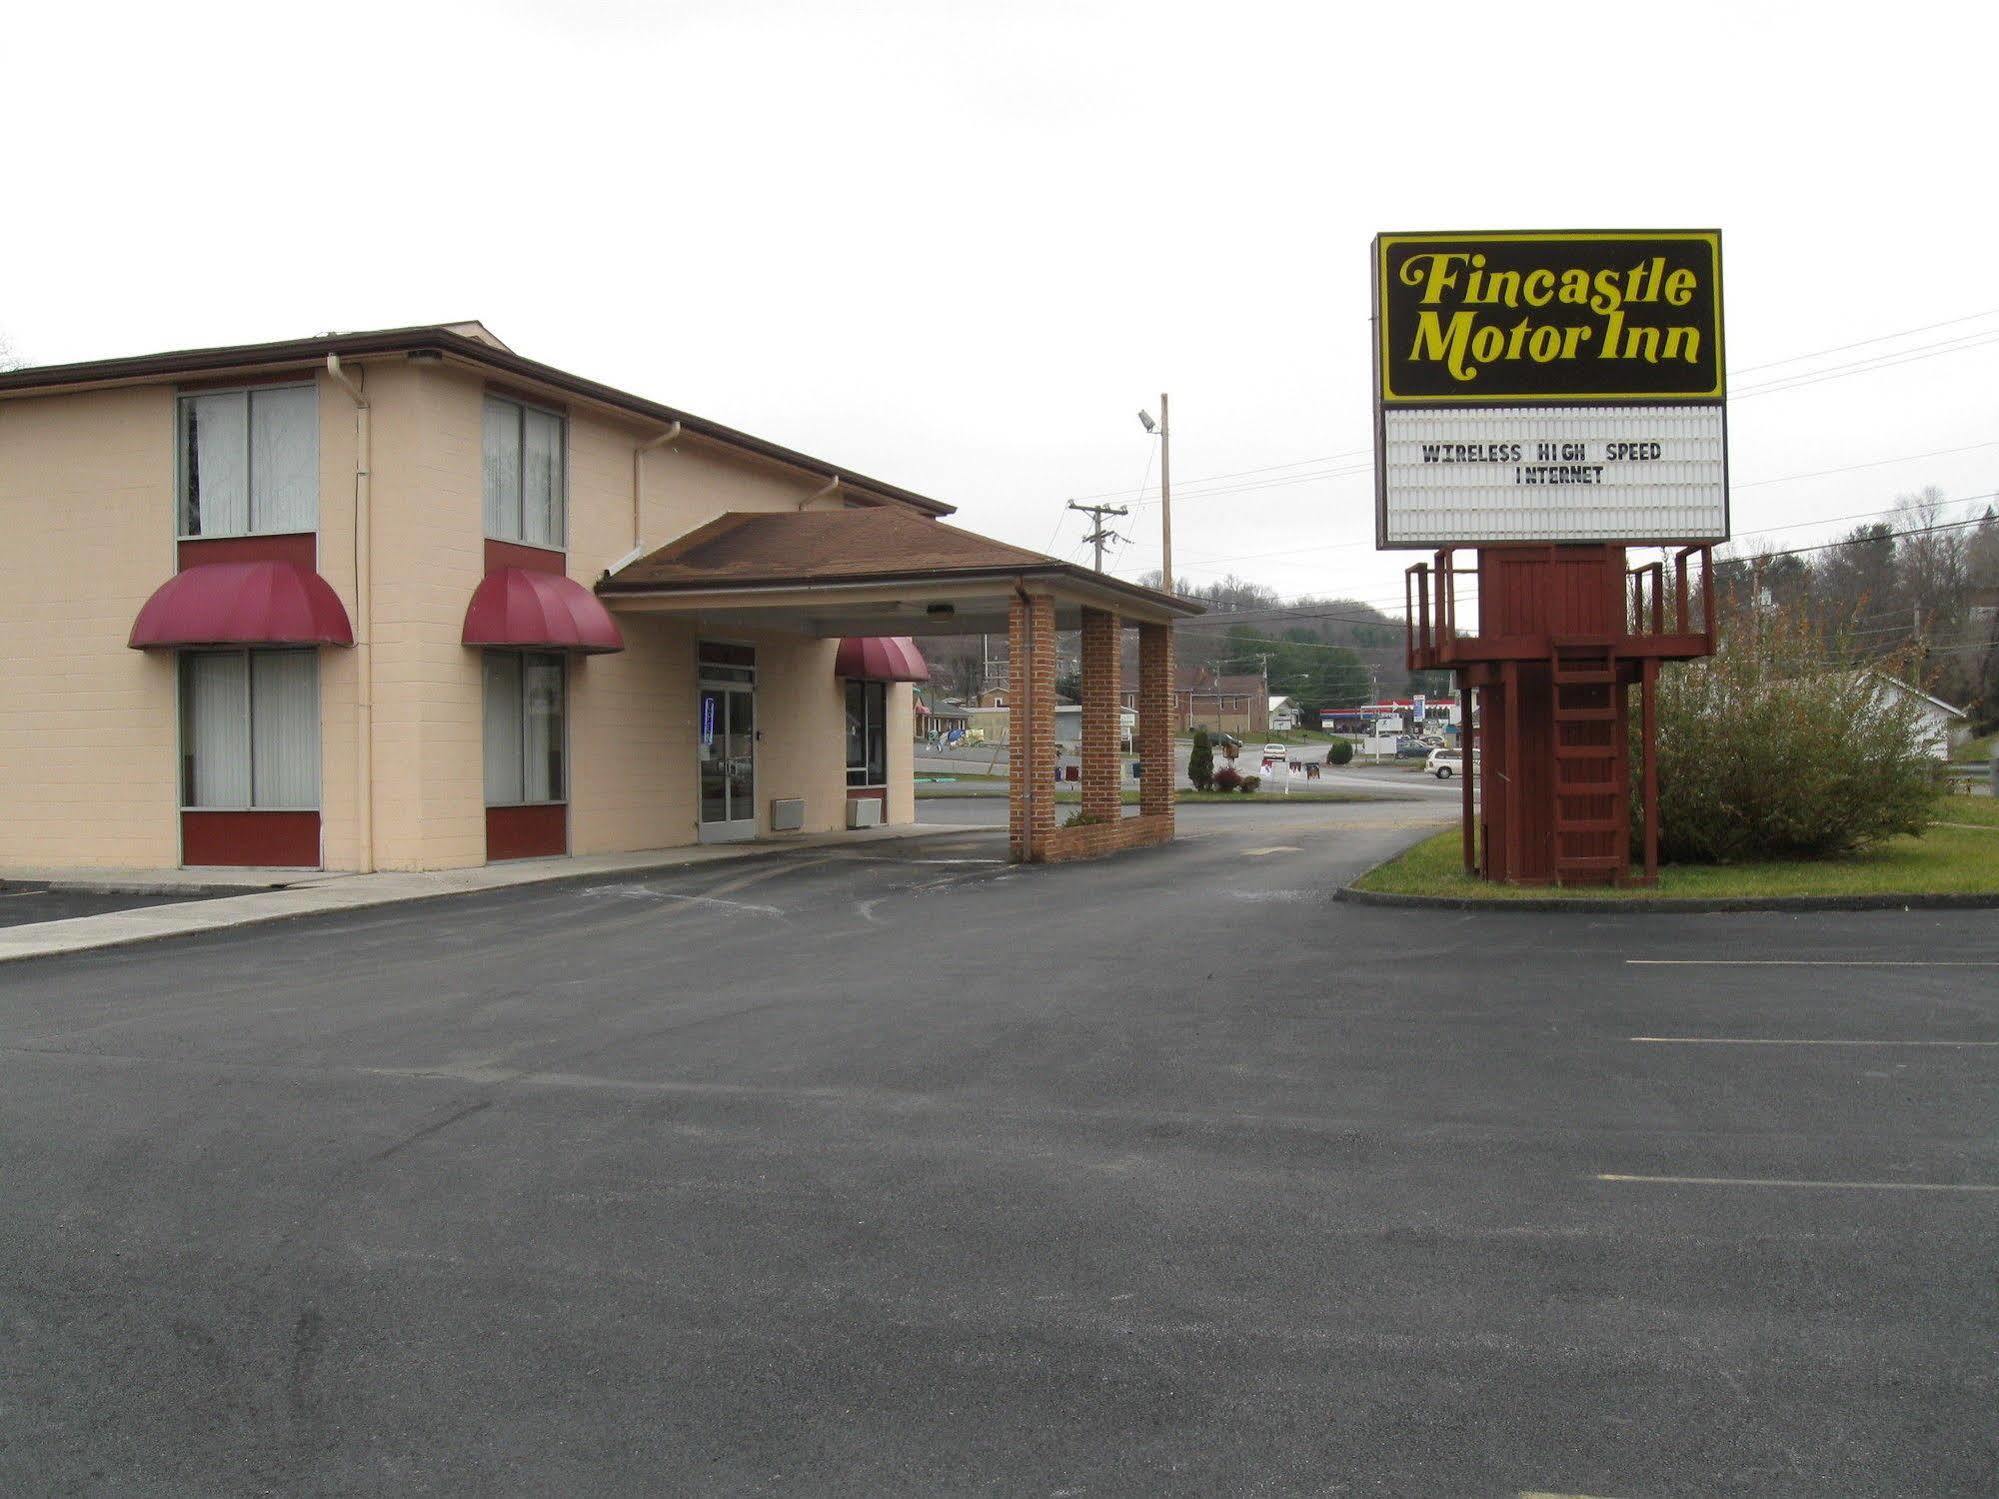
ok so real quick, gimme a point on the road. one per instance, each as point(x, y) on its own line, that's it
point(901, 1171)
point(1388, 780)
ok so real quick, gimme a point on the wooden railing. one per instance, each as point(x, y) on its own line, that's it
point(1664, 606)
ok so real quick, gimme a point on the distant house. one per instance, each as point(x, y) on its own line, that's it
point(1939, 725)
point(1283, 715)
point(1204, 698)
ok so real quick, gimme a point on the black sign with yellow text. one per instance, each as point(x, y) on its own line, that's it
point(1578, 316)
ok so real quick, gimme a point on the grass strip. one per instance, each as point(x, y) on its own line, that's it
point(1955, 855)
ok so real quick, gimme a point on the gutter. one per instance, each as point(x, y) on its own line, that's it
point(135, 369)
point(638, 469)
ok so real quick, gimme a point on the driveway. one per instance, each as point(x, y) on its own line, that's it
point(900, 1171)
point(1403, 782)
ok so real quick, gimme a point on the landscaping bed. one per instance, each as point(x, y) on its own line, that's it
point(1957, 855)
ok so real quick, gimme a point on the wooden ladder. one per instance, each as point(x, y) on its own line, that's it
point(1591, 762)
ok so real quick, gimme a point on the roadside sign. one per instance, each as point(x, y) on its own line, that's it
point(1561, 386)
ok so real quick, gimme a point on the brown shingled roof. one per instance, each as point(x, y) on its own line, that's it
point(881, 544)
point(752, 546)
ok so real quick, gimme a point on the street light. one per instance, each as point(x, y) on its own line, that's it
point(1164, 433)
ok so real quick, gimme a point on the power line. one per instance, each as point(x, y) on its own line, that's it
point(1867, 367)
point(1873, 463)
point(1139, 493)
point(1826, 546)
point(1880, 338)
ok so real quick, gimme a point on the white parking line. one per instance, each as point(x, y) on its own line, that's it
point(1275, 848)
point(1810, 963)
point(1788, 1041)
point(1747, 1181)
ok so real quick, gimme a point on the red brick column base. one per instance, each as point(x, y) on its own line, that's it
point(1103, 707)
point(1030, 819)
point(1155, 722)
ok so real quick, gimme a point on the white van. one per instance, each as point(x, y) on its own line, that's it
point(1445, 763)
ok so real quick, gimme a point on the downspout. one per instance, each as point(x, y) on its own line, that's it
point(638, 490)
point(831, 486)
point(364, 624)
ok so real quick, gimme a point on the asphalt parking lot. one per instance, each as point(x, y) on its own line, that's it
point(902, 1171)
point(26, 901)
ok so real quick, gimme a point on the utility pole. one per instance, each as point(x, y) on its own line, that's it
point(1165, 495)
point(1163, 432)
point(1102, 533)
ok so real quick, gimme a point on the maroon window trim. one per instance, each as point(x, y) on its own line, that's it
point(271, 839)
point(298, 547)
point(529, 832)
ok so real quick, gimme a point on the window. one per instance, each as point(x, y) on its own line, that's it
point(249, 461)
point(867, 734)
point(524, 473)
point(524, 729)
point(249, 730)
point(721, 661)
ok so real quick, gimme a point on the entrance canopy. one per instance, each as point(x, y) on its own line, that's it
point(871, 575)
point(867, 572)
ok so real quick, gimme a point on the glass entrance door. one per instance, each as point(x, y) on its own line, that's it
point(726, 741)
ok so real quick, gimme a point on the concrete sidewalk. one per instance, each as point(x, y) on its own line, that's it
point(279, 895)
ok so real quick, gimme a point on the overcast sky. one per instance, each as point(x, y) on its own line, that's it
point(957, 247)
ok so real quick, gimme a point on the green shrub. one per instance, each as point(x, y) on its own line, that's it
point(1080, 819)
point(1340, 753)
point(1201, 761)
point(1778, 746)
point(1251, 783)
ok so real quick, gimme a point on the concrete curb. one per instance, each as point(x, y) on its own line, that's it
point(1670, 906)
point(193, 918)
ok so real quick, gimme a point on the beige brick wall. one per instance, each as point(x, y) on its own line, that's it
point(89, 729)
point(429, 556)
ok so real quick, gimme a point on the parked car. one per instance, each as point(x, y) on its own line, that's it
point(1411, 749)
point(1445, 763)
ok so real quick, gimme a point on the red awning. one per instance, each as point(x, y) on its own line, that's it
point(539, 611)
point(242, 603)
point(880, 658)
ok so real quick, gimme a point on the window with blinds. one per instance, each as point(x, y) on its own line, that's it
point(249, 461)
point(249, 730)
point(525, 740)
point(525, 479)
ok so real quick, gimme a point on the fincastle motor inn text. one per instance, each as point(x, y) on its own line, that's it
point(1464, 341)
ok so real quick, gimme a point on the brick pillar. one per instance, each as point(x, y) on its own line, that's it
point(1030, 728)
point(1155, 721)
point(1102, 705)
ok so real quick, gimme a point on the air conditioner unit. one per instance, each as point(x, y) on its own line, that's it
point(864, 812)
point(787, 814)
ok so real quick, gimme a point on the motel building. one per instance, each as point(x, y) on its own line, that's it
point(406, 600)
